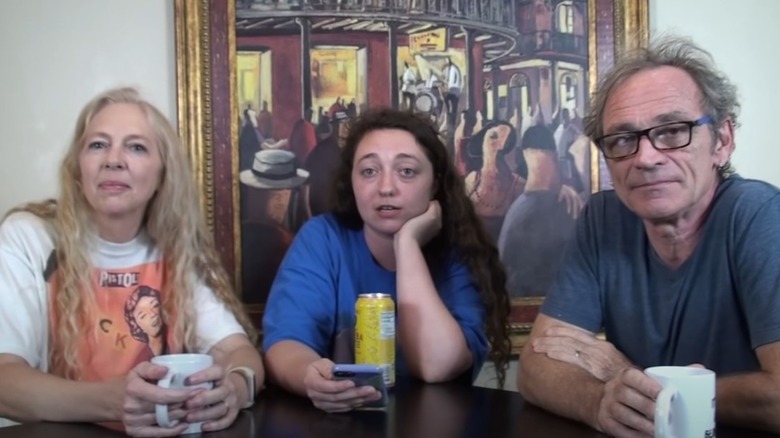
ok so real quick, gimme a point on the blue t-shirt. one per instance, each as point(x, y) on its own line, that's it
point(312, 300)
point(715, 309)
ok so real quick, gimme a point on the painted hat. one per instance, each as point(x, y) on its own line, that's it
point(274, 169)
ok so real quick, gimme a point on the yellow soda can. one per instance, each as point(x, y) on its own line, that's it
point(375, 333)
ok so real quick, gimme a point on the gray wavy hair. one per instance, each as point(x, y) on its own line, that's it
point(719, 94)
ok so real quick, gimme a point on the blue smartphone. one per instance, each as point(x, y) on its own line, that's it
point(363, 375)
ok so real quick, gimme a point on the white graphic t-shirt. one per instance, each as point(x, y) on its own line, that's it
point(127, 324)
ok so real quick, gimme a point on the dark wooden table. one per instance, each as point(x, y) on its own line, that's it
point(415, 410)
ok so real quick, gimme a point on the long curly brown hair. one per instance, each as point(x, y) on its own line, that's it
point(462, 231)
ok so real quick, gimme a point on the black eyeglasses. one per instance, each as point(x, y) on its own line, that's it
point(674, 135)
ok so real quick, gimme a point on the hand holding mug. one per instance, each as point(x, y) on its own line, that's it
point(626, 407)
point(685, 407)
point(214, 403)
point(141, 395)
point(182, 370)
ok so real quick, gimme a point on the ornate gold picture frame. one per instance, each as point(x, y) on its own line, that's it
point(210, 113)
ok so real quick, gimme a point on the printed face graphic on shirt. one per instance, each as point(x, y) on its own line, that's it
point(127, 324)
point(147, 315)
point(143, 316)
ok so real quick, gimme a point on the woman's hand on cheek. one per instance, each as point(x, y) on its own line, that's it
point(424, 227)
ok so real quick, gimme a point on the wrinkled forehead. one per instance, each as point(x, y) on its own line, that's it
point(389, 144)
point(650, 96)
point(123, 118)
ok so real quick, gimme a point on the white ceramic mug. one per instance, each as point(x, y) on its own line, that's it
point(180, 366)
point(685, 407)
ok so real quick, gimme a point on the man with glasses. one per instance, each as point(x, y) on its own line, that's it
point(678, 265)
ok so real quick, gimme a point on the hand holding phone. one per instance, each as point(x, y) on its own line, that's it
point(363, 375)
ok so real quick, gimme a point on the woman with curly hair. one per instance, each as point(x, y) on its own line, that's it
point(128, 216)
point(401, 224)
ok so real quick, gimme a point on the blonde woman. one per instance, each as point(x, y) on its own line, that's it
point(127, 216)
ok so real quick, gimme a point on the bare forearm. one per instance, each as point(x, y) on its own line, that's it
point(246, 357)
point(28, 395)
point(562, 388)
point(429, 336)
point(749, 400)
point(287, 362)
point(435, 351)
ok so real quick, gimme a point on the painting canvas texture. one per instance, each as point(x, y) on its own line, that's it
point(505, 82)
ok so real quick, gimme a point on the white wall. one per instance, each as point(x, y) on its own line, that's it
point(744, 39)
point(56, 54)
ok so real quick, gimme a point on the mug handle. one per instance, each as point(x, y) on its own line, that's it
point(161, 411)
point(663, 407)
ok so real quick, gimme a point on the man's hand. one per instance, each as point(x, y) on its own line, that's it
point(600, 358)
point(627, 407)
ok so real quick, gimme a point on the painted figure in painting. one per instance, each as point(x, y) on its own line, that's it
point(273, 185)
point(493, 186)
point(453, 84)
point(265, 121)
point(539, 222)
point(323, 161)
point(408, 86)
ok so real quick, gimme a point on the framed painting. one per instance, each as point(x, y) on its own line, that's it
point(505, 81)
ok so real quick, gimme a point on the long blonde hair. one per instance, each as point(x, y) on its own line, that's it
point(173, 220)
